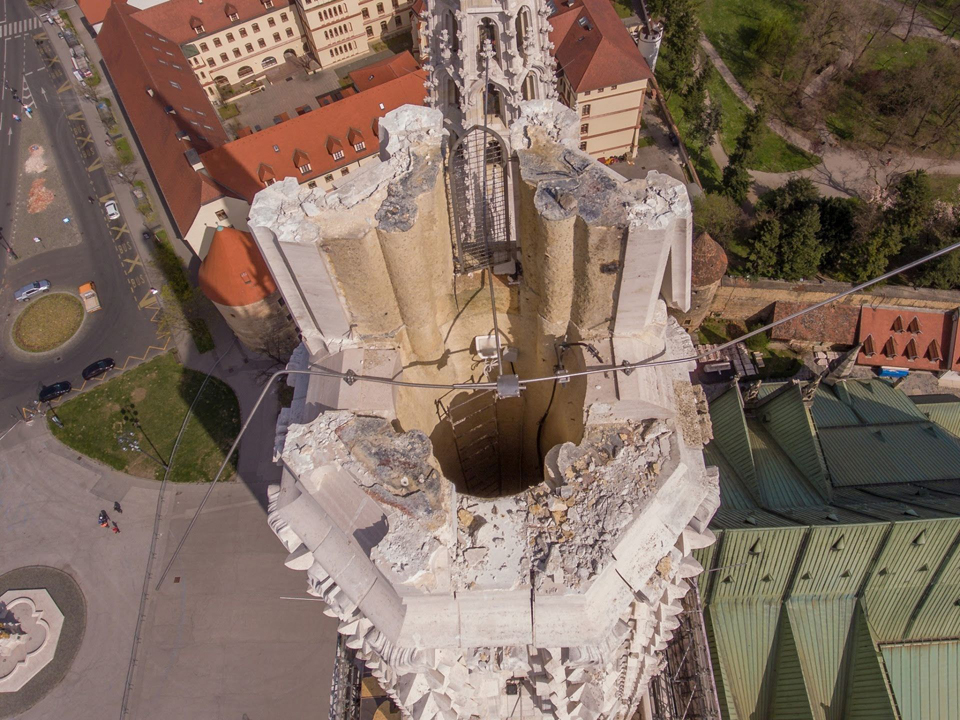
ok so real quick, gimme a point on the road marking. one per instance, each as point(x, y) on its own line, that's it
point(27, 74)
point(135, 263)
point(85, 140)
point(97, 165)
point(40, 36)
point(76, 116)
point(63, 88)
point(104, 198)
point(51, 61)
point(120, 231)
point(149, 300)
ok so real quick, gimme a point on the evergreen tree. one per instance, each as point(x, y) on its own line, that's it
point(681, 42)
point(705, 126)
point(942, 273)
point(913, 206)
point(736, 178)
point(837, 226)
point(800, 248)
point(764, 254)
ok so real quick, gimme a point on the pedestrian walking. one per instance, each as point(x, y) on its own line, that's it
point(103, 519)
point(90, 199)
point(16, 117)
point(116, 508)
point(115, 528)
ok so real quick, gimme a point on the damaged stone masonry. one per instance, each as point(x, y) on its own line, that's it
point(492, 557)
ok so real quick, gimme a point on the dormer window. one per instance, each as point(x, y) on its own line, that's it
point(335, 148)
point(197, 25)
point(302, 161)
point(356, 139)
point(231, 12)
point(304, 169)
point(360, 146)
point(267, 3)
point(266, 174)
point(338, 155)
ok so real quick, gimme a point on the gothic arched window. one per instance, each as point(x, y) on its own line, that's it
point(529, 88)
point(450, 22)
point(487, 31)
point(523, 25)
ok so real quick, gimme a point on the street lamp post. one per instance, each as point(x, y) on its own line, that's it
point(128, 442)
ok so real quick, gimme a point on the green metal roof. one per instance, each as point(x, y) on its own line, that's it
point(868, 697)
point(829, 411)
point(925, 678)
point(944, 414)
point(734, 493)
point(821, 626)
point(909, 561)
point(939, 616)
point(731, 436)
point(836, 559)
point(914, 451)
point(788, 420)
point(781, 482)
point(756, 563)
point(790, 699)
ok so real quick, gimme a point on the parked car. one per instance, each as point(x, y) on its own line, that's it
point(52, 392)
point(147, 235)
point(88, 293)
point(34, 288)
point(113, 212)
point(98, 368)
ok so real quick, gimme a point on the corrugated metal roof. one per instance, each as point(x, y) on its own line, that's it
point(868, 698)
point(756, 563)
point(825, 515)
point(939, 617)
point(916, 451)
point(836, 559)
point(745, 632)
point(904, 569)
point(821, 627)
point(788, 420)
point(917, 496)
point(790, 699)
point(730, 435)
point(876, 401)
point(829, 411)
point(735, 519)
point(728, 710)
point(870, 505)
point(781, 482)
point(946, 415)
point(925, 678)
point(733, 492)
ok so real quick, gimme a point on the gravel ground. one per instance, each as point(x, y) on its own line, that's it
point(42, 201)
point(69, 598)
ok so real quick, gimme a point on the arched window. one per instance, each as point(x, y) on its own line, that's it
point(268, 62)
point(220, 80)
point(494, 101)
point(289, 54)
point(453, 29)
point(244, 71)
point(529, 88)
point(523, 25)
point(487, 31)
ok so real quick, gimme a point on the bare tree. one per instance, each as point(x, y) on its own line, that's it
point(127, 170)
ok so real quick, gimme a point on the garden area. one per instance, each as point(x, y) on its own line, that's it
point(779, 361)
point(148, 404)
point(48, 322)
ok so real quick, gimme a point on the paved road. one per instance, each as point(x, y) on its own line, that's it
point(107, 254)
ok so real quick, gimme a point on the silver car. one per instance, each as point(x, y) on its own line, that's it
point(113, 212)
point(34, 288)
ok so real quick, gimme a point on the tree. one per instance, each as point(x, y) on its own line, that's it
point(837, 226)
point(719, 216)
point(705, 126)
point(736, 178)
point(681, 42)
point(913, 206)
point(800, 248)
point(868, 253)
point(764, 253)
point(942, 273)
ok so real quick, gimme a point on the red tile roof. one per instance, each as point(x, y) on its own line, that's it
point(380, 72)
point(234, 272)
point(593, 48)
point(95, 10)
point(833, 324)
point(239, 165)
point(140, 64)
point(909, 338)
point(709, 261)
point(176, 19)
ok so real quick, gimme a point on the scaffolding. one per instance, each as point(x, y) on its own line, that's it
point(685, 689)
point(345, 689)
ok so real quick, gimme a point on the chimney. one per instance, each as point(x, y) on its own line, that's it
point(193, 157)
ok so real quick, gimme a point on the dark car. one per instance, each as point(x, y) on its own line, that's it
point(98, 368)
point(147, 235)
point(52, 392)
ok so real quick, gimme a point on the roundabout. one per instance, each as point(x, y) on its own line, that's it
point(48, 322)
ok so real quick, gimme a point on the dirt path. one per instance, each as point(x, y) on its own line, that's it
point(843, 171)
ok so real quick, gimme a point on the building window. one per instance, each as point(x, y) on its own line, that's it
point(305, 168)
point(268, 3)
point(229, 37)
point(176, 85)
point(221, 215)
point(283, 17)
point(203, 47)
point(234, 17)
point(383, 26)
point(244, 71)
point(236, 52)
point(269, 181)
point(583, 146)
point(248, 47)
point(289, 32)
point(271, 22)
point(379, 8)
point(585, 111)
point(399, 21)
point(243, 32)
point(313, 183)
point(203, 75)
point(396, 4)
point(584, 129)
point(345, 171)
point(276, 37)
point(261, 42)
point(224, 58)
point(217, 42)
point(211, 63)
point(613, 87)
point(360, 146)
point(255, 27)
point(269, 61)
point(198, 29)
point(586, 92)
point(365, 14)
point(328, 178)
point(369, 31)
point(338, 155)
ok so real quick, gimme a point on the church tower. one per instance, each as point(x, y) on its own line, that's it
point(484, 58)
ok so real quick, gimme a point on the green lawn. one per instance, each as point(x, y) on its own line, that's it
point(773, 153)
point(945, 187)
point(706, 167)
point(124, 153)
point(934, 12)
point(624, 8)
point(777, 362)
point(229, 111)
point(160, 392)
